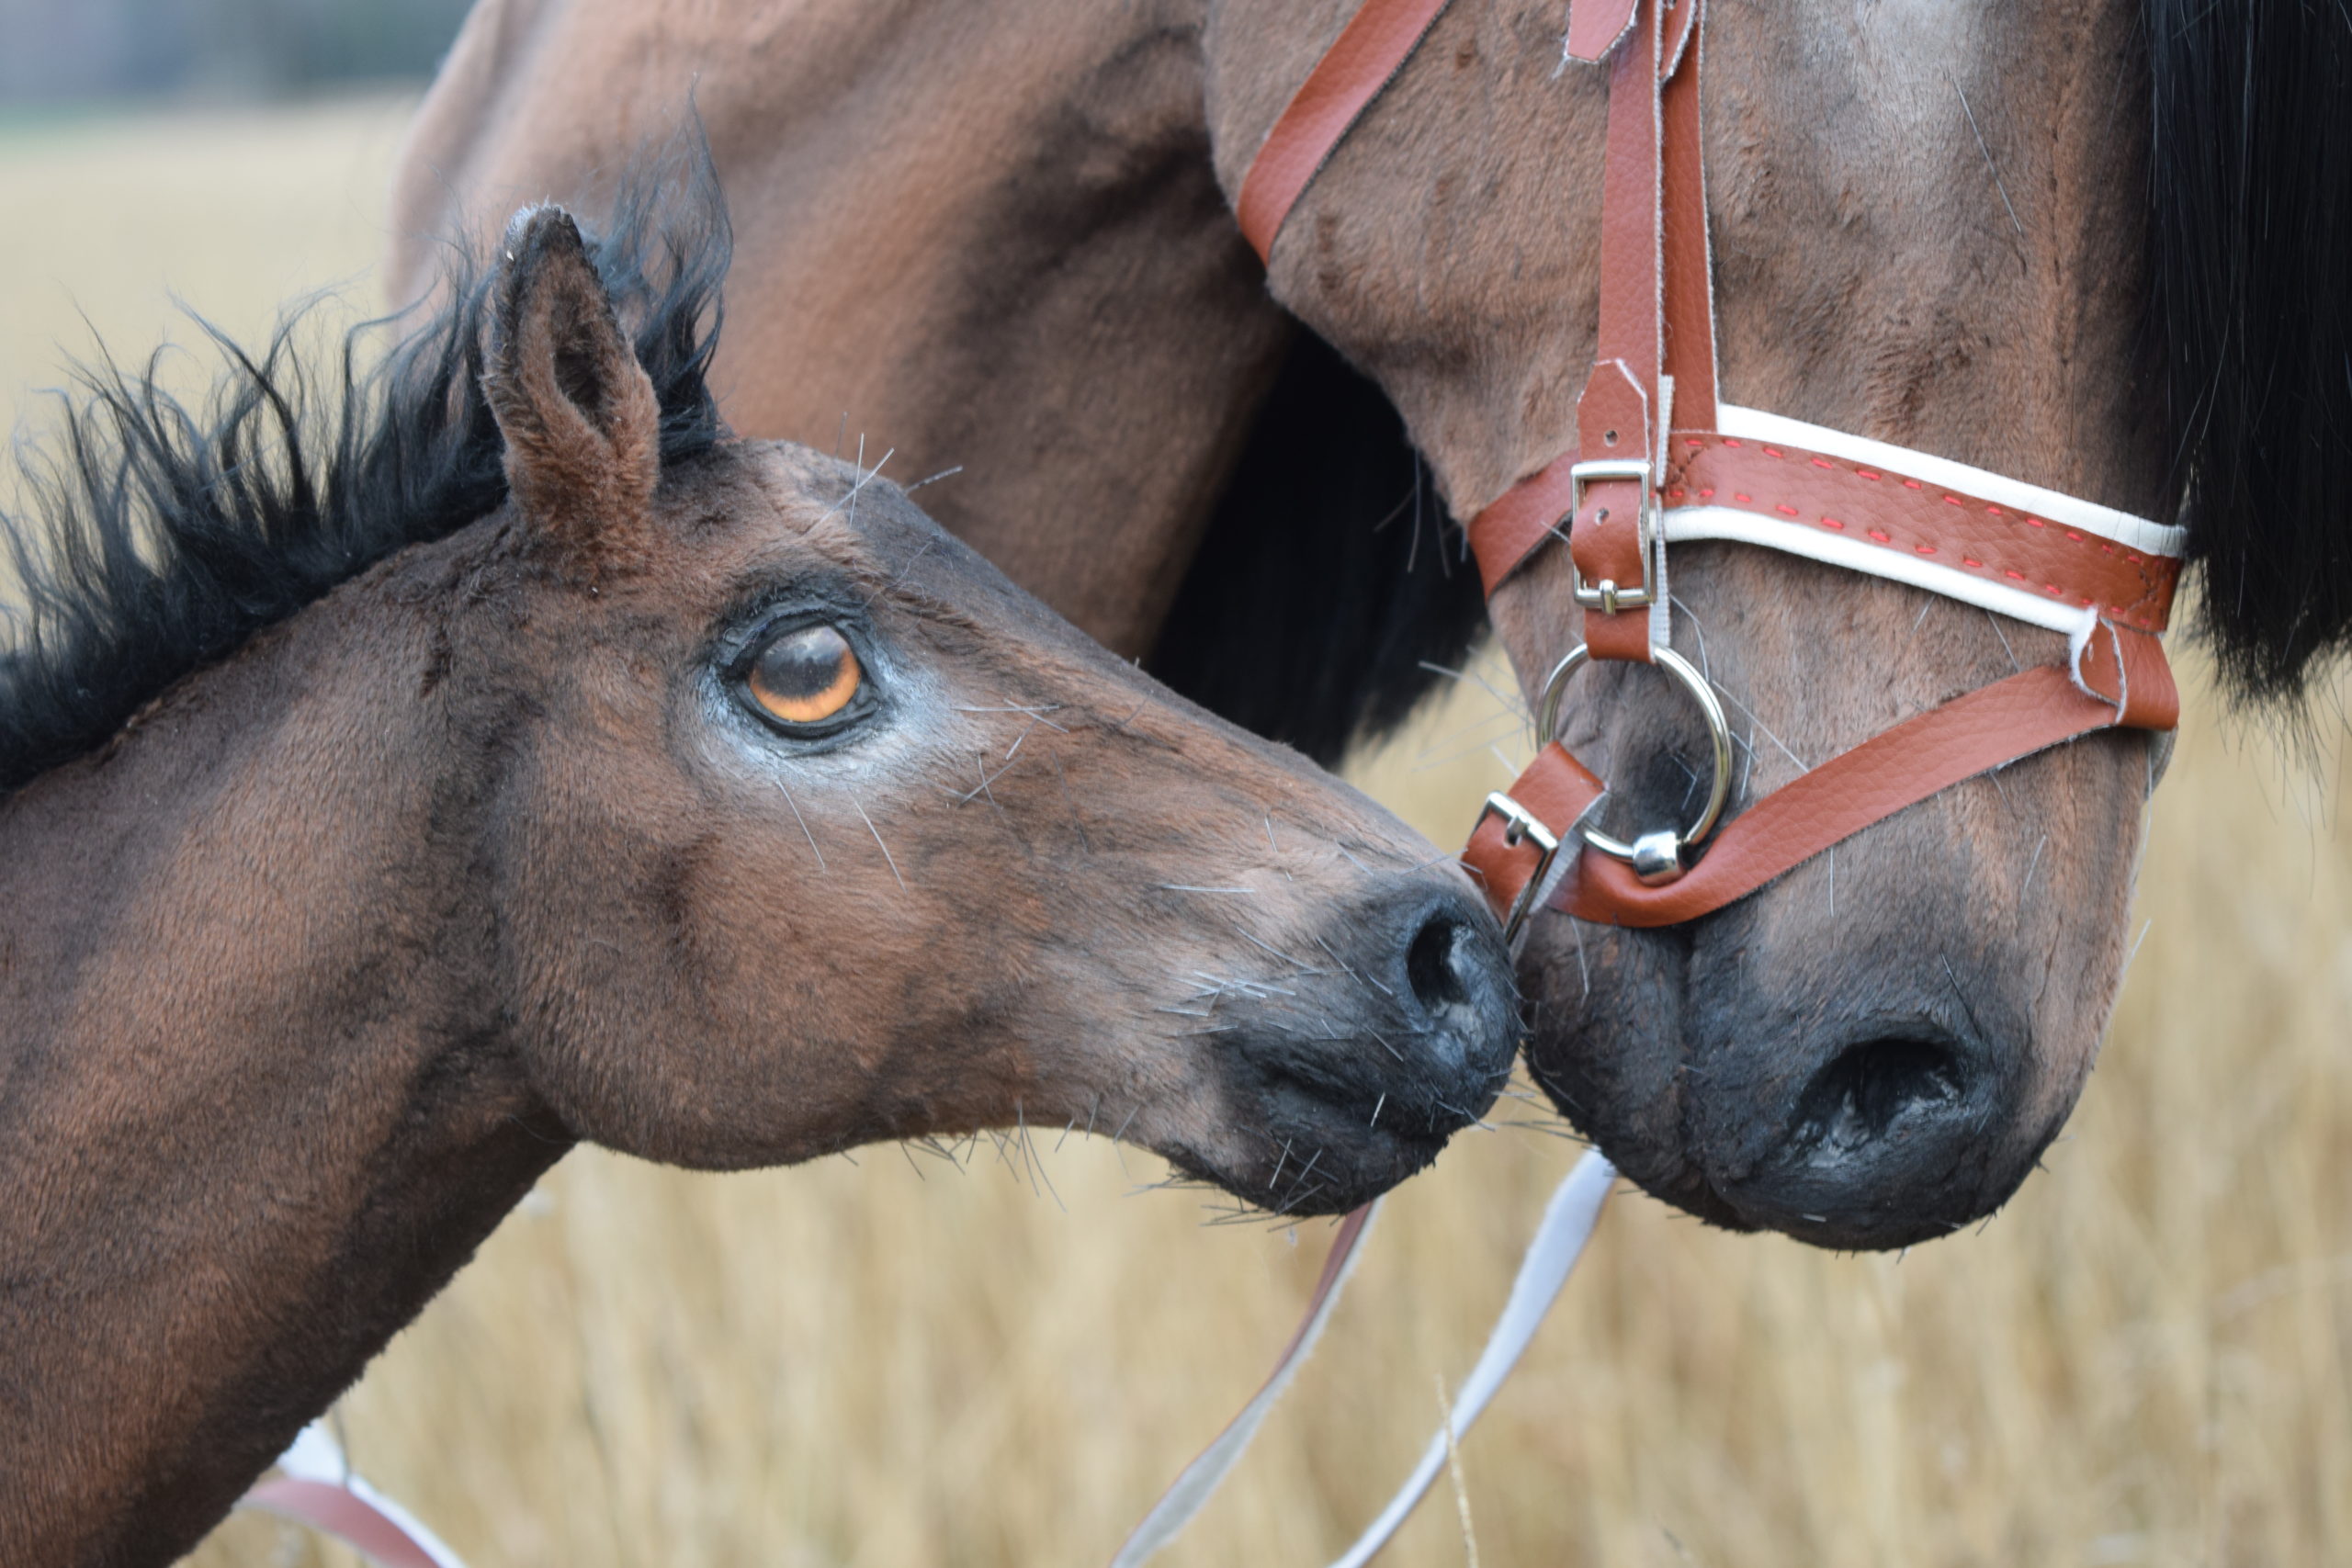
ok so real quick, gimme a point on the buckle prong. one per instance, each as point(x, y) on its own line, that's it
point(1520, 826)
point(1605, 596)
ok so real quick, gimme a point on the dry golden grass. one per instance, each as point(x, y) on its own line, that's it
point(2146, 1359)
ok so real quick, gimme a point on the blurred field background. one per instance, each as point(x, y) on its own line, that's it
point(2147, 1359)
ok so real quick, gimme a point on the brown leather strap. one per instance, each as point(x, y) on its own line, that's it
point(1656, 314)
point(1987, 728)
point(1369, 52)
point(1874, 507)
point(1657, 303)
point(1595, 26)
point(1620, 414)
point(1690, 291)
point(2128, 668)
point(1655, 367)
point(1519, 521)
point(1558, 790)
point(1895, 511)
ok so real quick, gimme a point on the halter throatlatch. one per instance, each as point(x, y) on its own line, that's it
point(1659, 460)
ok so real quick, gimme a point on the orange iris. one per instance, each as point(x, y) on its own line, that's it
point(807, 675)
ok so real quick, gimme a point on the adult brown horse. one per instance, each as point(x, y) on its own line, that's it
point(412, 781)
point(998, 233)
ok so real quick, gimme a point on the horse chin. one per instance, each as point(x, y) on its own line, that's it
point(1311, 1156)
point(1309, 1141)
point(1874, 1120)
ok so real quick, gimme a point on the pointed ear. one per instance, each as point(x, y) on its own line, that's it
point(583, 427)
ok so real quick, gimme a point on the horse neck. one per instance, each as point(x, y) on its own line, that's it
point(1000, 215)
point(255, 1110)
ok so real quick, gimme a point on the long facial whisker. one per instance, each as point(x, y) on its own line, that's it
point(804, 823)
point(1759, 725)
point(1514, 702)
point(2040, 845)
point(1995, 621)
point(900, 576)
point(2000, 184)
point(934, 478)
point(886, 857)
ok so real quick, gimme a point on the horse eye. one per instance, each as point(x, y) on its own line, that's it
point(806, 675)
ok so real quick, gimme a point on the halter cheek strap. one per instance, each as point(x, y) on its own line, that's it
point(1657, 459)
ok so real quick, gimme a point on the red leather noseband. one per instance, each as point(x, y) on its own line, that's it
point(1658, 458)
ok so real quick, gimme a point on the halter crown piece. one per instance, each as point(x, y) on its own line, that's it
point(1659, 460)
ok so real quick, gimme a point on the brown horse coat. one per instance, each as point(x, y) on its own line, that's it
point(997, 233)
point(506, 842)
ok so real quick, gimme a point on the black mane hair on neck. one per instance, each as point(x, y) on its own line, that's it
point(1332, 586)
point(2251, 184)
point(160, 539)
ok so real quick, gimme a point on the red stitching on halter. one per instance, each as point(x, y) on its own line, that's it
point(1986, 729)
point(2141, 620)
point(2144, 619)
point(1653, 220)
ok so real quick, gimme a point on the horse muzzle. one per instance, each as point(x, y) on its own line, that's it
point(1357, 1070)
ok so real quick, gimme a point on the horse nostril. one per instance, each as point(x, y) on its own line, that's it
point(1857, 1098)
point(1433, 963)
point(1891, 1139)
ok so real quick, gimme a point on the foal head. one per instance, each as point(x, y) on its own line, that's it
point(1926, 227)
point(395, 798)
point(820, 832)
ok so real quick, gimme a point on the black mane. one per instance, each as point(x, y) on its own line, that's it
point(1331, 580)
point(160, 540)
point(2252, 190)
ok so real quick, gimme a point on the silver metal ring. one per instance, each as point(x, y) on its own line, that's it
point(1656, 857)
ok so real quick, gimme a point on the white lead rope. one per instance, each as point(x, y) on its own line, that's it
point(1551, 1253)
point(319, 1488)
point(1201, 1478)
point(1559, 1241)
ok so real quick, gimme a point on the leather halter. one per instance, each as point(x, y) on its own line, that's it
point(1658, 459)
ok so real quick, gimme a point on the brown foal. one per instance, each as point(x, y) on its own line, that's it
point(997, 233)
point(696, 797)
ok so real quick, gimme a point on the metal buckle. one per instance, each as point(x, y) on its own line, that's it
point(1520, 826)
point(1605, 596)
point(1656, 857)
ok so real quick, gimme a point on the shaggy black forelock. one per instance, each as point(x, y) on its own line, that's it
point(160, 539)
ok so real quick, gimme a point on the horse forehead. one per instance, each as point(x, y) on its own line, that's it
point(1469, 181)
point(765, 505)
point(1448, 245)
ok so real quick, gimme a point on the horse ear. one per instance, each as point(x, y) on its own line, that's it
point(582, 424)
